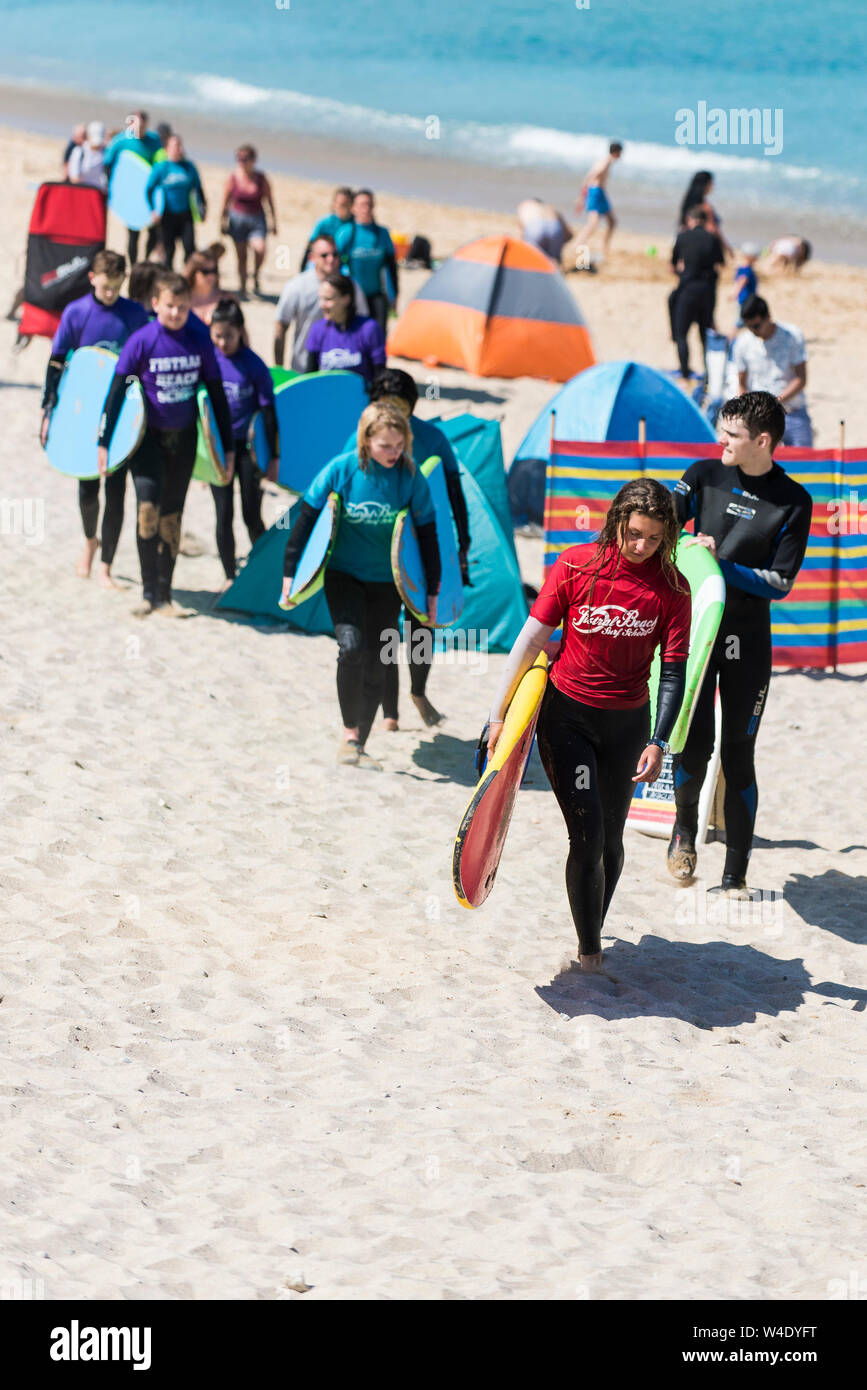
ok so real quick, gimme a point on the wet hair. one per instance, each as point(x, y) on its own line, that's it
point(141, 281)
point(755, 308)
point(172, 283)
point(696, 193)
point(649, 498)
point(382, 415)
point(393, 382)
point(760, 412)
point(228, 311)
point(110, 263)
point(615, 147)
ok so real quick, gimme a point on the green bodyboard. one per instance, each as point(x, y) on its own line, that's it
point(708, 591)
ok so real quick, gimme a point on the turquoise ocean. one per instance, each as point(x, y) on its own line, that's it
point(503, 84)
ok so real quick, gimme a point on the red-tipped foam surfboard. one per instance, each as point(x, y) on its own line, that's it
point(482, 834)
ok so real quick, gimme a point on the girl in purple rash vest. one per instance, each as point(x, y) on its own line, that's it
point(99, 319)
point(171, 360)
point(343, 340)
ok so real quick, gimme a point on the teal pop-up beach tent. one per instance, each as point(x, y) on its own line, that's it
point(495, 602)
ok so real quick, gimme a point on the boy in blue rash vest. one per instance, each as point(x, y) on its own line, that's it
point(374, 481)
point(179, 180)
point(248, 387)
point(398, 388)
point(171, 360)
point(136, 138)
point(103, 319)
point(756, 521)
point(368, 255)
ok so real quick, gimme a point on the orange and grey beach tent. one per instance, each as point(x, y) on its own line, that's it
point(497, 307)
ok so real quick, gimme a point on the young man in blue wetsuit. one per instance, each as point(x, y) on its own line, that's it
point(179, 180)
point(368, 255)
point(103, 319)
point(172, 357)
point(756, 521)
point(374, 481)
point(399, 389)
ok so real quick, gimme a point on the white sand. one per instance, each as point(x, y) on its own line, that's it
point(250, 1040)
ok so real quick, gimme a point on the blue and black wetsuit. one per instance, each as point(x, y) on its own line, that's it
point(761, 526)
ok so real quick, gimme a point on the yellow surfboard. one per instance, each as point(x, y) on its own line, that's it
point(482, 834)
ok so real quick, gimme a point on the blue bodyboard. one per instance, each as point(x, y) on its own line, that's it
point(257, 442)
point(71, 445)
point(126, 191)
point(314, 415)
point(310, 574)
point(406, 556)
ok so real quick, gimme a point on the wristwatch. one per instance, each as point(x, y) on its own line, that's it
point(660, 743)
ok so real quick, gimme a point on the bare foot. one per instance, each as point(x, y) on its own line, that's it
point(390, 725)
point(430, 715)
point(591, 965)
point(143, 609)
point(107, 580)
point(85, 564)
point(170, 609)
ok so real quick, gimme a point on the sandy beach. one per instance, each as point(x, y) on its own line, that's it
point(253, 1047)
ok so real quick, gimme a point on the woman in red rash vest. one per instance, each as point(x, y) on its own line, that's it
point(618, 599)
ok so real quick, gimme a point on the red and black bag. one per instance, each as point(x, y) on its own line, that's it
point(67, 228)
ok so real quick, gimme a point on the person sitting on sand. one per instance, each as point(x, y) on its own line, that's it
point(339, 216)
point(618, 600)
point(179, 180)
point(298, 306)
point(103, 319)
point(374, 481)
point(594, 197)
point(248, 387)
point(171, 359)
point(544, 227)
point(246, 201)
point(342, 340)
point(789, 253)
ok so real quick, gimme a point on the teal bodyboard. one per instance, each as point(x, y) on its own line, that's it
point(310, 574)
point(257, 442)
point(71, 445)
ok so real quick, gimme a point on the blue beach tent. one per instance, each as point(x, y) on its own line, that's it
point(604, 402)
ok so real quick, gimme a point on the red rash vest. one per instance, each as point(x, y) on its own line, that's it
point(608, 646)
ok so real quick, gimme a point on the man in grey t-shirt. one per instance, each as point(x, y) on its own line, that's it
point(299, 306)
point(772, 357)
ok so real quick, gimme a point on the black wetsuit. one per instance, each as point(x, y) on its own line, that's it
point(700, 252)
point(761, 527)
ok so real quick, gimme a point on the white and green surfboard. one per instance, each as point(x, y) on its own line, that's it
point(652, 809)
